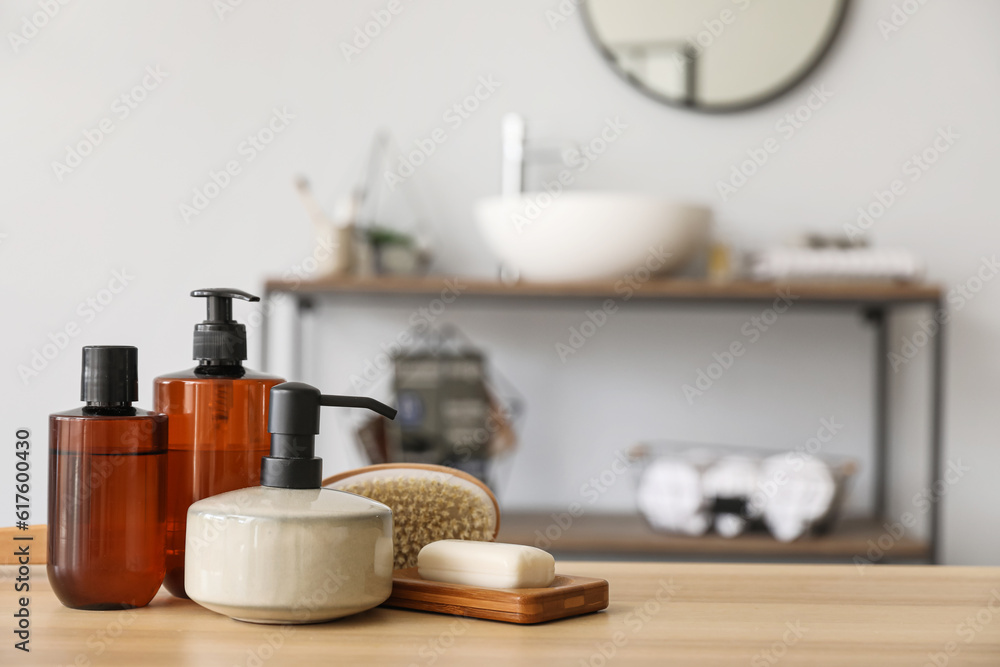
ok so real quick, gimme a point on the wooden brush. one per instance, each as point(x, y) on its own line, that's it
point(428, 502)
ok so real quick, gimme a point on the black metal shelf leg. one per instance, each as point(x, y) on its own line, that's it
point(878, 317)
point(937, 425)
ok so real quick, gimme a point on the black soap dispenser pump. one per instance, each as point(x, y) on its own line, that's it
point(294, 424)
point(220, 340)
point(218, 420)
point(261, 554)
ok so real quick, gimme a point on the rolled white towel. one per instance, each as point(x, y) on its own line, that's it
point(671, 498)
point(795, 490)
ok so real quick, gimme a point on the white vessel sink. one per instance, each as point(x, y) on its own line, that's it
point(576, 236)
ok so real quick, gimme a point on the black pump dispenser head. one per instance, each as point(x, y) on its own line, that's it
point(294, 423)
point(220, 339)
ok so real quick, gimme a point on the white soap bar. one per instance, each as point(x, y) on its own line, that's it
point(486, 564)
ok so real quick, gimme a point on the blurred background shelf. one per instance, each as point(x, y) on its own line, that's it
point(627, 536)
point(873, 301)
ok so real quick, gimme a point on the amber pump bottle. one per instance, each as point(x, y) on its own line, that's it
point(107, 466)
point(218, 421)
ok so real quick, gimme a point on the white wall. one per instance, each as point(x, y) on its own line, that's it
point(119, 211)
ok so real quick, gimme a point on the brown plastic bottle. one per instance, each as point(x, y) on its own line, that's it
point(107, 470)
point(218, 422)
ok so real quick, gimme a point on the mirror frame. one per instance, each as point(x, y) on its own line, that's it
point(762, 99)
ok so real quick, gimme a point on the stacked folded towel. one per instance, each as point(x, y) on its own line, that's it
point(834, 264)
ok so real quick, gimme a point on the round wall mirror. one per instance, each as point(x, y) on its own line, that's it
point(714, 55)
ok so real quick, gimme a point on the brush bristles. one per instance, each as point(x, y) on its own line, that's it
point(426, 510)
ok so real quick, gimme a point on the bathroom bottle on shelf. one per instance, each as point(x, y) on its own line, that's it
point(107, 466)
point(218, 421)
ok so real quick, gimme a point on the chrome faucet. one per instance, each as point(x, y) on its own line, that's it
point(513, 135)
point(516, 154)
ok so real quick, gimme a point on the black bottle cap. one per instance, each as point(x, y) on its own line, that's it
point(294, 422)
point(110, 374)
point(220, 338)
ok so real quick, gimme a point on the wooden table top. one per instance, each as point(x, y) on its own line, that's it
point(660, 613)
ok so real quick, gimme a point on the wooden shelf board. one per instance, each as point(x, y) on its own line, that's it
point(630, 535)
point(661, 289)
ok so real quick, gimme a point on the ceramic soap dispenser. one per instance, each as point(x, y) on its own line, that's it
point(288, 551)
